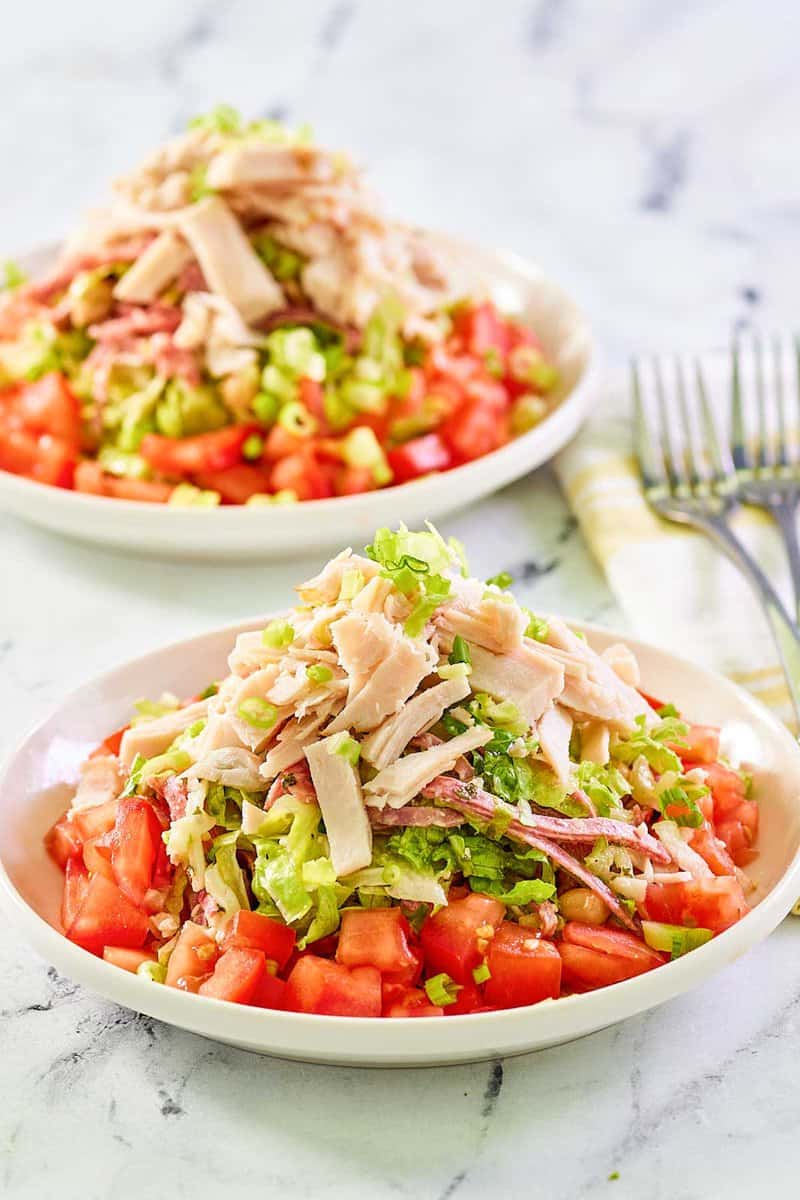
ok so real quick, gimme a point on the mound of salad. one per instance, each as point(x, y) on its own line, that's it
point(411, 797)
point(242, 325)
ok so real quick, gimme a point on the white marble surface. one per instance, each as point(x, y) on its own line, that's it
point(643, 152)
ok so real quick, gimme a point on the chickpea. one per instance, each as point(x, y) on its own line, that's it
point(581, 904)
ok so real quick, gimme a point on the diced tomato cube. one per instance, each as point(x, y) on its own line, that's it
point(94, 821)
point(595, 956)
point(192, 959)
point(738, 831)
point(317, 985)
point(455, 939)
point(476, 429)
point(62, 842)
point(470, 999)
point(714, 903)
point(182, 457)
point(254, 931)
point(269, 993)
point(481, 328)
point(713, 850)
point(49, 406)
point(137, 838)
point(235, 484)
point(302, 474)
point(410, 1002)
point(700, 744)
point(127, 959)
point(76, 884)
point(107, 917)
point(524, 969)
point(236, 976)
point(419, 456)
point(353, 481)
point(111, 744)
point(97, 858)
point(376, 937)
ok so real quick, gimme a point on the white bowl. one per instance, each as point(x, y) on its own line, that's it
point(231, 533)
point(34, 790)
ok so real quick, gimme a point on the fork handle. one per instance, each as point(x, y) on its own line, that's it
point(785, 513)
point(784, 630)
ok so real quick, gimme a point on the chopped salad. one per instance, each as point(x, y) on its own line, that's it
point(410, 797)
point(242, 325)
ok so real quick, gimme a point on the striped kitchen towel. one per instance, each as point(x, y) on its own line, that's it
point(676, 589)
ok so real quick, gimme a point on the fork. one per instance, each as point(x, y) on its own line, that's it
point(689, 479)
point(766, 461)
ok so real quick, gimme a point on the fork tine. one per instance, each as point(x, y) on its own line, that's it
point(696, 463)
point(672, 455)
point(784, 449)
point(741, 453)
point(645, 441)
point(718, 450)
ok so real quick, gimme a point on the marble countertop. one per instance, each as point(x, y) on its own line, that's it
point(642, 153)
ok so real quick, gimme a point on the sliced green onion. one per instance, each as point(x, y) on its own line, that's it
point(186, 495)
point(676, 940)
point(266, 407)
point(296, 418)
point(460, 652)
point(501, 580)
point(482, 973)
point(154, 971)
point(537, 628)
point(459, 670)
point(319, 673)
point(258, 713)
point(344, 746)
point(441, 990)
point(253, 446)
point(278, 634)
point(352, 583)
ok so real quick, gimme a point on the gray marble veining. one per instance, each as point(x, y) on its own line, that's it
point(645, 154)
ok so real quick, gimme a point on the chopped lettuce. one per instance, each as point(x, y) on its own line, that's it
point(651, 744)
point(604, 785)
point(224, 876)
point(185, 409)
point(185, 845)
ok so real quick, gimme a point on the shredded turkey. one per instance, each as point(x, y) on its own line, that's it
point(554, 731)
point(527, 678)
point(390, 740)
point(397, 784)
point(338, 787)
point(154, 270)
point(227, 259)
point(100, 780)
point(150, 738)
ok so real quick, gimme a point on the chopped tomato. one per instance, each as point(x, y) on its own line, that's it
point(269, 992)
point(713, 850)
point(714, 903)
point(470, 999)
point(49, 406)
point(418, 457)
point(411, 1002)
point(409, 975)
point(595, 956)
point(107, 917)
point(476, 429)
point(186, 456)
point(42, 457)
point(111, 744)
point(76, 884)
point(303, 475)
point(727, 788)
point(317, 985)
point(311, 394)
point(524, 969)
point(280, 443)
point(62, 842)
point(236, 976)
point(137, 837)
point(235, 484)
point(92, 479)
point(192, 958)
point(700, 745)
point(94, 821)
point(97, 858)
point(455, 939)
point(738, 831)
point(353, 481)
point(376, 937)
point(482, 329)
point(254, 931)
point(129, 960)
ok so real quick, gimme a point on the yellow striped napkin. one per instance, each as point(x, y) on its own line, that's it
point(674, 586)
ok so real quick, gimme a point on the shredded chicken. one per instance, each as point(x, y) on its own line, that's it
point(338, 789)
point(150, 738)
point(526, 677)
point(154, 270)
point(390, 740)
point(554, 732)
point(397, 784)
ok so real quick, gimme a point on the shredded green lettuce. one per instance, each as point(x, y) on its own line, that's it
point(651, 744)
point(604, 785)
point(224, 876)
